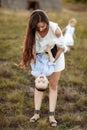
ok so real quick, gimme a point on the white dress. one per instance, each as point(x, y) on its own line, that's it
point(51, 39)
point(68, 36)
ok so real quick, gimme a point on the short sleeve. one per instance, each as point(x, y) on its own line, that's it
point(58, 41)
point(54, 26)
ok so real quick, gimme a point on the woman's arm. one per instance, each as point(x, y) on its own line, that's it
point(60, 50)
point(58, 33)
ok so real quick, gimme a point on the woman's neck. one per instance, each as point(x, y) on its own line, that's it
point(43, 33)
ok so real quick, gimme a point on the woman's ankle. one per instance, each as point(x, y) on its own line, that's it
point(35, 117)
point(52, 116)
point(37, 113)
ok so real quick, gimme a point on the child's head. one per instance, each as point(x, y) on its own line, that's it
point(41, 82)
point(72, 22)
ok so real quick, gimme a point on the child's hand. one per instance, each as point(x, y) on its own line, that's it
point(48, 48)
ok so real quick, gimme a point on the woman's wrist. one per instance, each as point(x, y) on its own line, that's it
point(53, 59)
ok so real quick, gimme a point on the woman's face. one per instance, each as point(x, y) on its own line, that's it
point(41, 26)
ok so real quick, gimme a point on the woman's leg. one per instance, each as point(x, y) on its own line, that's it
point(37, 102)
point(38, 95)
point(53, 91)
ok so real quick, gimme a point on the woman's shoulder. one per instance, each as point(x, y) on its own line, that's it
point(52, 24)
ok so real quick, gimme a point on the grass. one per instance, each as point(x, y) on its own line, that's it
point(16, 99)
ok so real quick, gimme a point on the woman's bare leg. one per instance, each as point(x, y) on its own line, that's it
point(37, 102)
point(53, 91)
point(38, 99)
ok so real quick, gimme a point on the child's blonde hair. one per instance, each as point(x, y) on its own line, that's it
point(73, 20)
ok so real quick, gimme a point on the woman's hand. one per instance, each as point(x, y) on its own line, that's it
point(22, 66)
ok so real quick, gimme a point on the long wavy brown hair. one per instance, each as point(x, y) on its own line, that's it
point(29, 43)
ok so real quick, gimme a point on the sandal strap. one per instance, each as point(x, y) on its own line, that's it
point(36, 111)
point(51, 113)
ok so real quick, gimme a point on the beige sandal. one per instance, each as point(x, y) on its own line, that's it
point(52, 120)
point(36, 116)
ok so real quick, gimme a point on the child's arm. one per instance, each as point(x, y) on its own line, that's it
point(63, 30)
point(48, 49)
point(74, 36)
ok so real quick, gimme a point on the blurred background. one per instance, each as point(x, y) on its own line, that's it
point(35, 4)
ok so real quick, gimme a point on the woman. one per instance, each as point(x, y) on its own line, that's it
point(40, 33)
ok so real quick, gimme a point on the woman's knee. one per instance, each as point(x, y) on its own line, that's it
point(53, 85)
point(54, 79)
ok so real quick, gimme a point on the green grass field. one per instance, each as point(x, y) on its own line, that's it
point(16, 100)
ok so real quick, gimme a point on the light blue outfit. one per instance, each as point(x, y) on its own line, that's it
point(42, 66)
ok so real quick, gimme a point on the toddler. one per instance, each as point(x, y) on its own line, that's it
point(68, 32)
point(42, 67)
